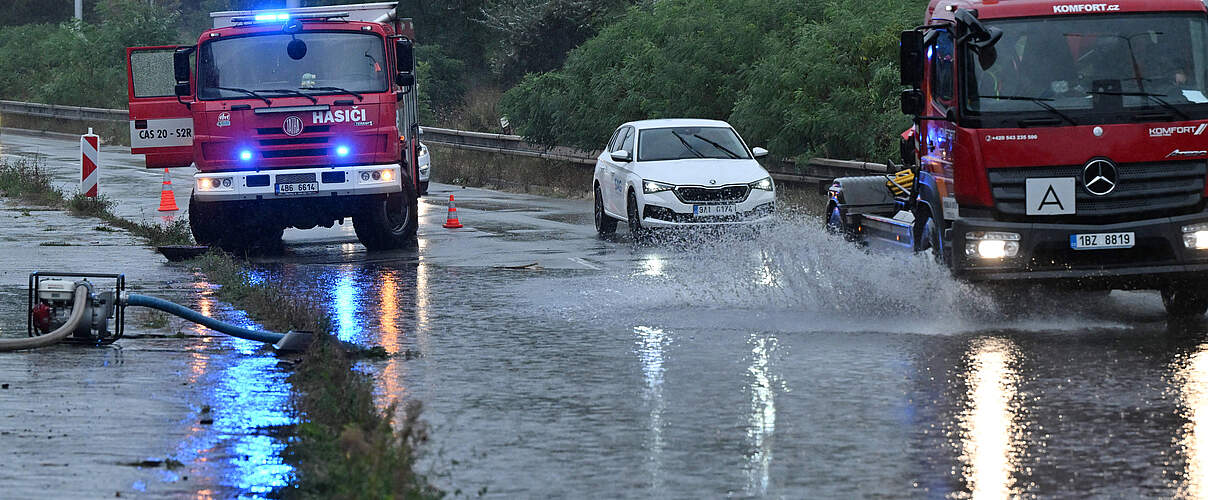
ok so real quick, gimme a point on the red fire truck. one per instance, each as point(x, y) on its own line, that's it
point(1053, 142)
point(293, 118)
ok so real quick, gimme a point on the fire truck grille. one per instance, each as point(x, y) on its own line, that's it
point(1142, 189)
point(292, 153)
point(293, 141)
point(316, 129)
point(727, 194)
point(292, 178)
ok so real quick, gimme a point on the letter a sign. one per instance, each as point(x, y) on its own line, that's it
point(1052, 196)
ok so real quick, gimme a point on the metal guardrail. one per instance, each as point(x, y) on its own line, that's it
point(819, 170)
point(63, 112)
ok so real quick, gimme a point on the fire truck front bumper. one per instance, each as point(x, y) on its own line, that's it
point(1144, 254)
point(297, 183)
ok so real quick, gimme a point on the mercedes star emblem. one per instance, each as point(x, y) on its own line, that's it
point(1099, 177)
point(292, 126)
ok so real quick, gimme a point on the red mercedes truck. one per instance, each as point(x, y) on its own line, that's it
point(1053, 142)
point(292, 118)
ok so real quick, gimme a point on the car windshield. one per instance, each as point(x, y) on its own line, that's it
point(354, 62)
point(682, 143)
point(1069, 66)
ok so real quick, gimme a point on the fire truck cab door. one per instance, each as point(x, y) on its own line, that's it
point(161, 126)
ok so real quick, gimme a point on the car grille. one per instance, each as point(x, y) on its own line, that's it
point(725, 194)
point(1143, 189)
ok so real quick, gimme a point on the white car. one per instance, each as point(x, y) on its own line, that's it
point(677, 173)
point(425, 168)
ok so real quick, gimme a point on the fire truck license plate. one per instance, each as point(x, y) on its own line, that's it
point(298, 188)
point(713, 210)
point(1099, 241)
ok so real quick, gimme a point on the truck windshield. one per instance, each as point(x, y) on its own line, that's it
point(1092, 68)
point(352, 62)
point(681, 143)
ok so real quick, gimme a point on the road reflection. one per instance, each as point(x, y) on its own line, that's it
point(651, 344)
point(1191, 375)
point(762, 421)
point(250, 397)
point(990, 430)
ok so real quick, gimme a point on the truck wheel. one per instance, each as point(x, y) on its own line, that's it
point(605, 225)
point(935, 241)
point(388, 222)
point(1184, 302)
point(207, 221)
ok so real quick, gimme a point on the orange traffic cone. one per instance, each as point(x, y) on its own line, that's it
point(451, 221)
point(167, 199)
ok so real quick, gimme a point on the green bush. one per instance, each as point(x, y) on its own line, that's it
point(81, 64)
point(802, 77)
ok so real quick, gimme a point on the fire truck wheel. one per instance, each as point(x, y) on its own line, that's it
point(388, 222)
point(1185, 302)
point(206, 222)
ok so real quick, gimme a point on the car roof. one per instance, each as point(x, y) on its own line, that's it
point(677, 122)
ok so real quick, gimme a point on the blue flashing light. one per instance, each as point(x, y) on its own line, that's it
point(342, 151)
point(245, 155)
point(271, 17)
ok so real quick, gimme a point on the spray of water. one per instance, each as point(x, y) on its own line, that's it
point(793, 275)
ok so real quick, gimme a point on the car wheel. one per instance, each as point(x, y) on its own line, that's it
point(605, 225)
point(635, 220)
point(1184, 302)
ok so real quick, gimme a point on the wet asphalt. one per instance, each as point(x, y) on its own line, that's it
point(778, 363)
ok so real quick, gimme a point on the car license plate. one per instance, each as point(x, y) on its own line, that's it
point(714, 210)
point(1099, 241)
point(298, 188)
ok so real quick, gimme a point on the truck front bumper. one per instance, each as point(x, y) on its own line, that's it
point(1158, 259)
point(267, 184)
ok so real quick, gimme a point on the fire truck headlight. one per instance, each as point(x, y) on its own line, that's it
point(1195, 236)
point(342, 151)
point(245, 155)
point(365, 176)
point(991, 245)
point(387, 175)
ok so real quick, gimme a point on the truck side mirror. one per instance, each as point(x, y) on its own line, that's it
point(907, 150)
point(911, 58)
point(404, 62)
point(912, 102)
point(181, 69)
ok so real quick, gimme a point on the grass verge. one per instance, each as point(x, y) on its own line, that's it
point(26, 180)
point(343, 447)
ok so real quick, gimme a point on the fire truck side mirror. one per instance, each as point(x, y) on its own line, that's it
point(181, 69)
point(911, 58)
point(404, 62)
point(912, 102)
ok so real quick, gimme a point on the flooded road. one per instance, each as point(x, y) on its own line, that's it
point(781, 363)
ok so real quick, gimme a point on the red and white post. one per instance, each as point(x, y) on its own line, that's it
point(90, 156)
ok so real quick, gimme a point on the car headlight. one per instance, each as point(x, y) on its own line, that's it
point(765, 184)
point(650, 187)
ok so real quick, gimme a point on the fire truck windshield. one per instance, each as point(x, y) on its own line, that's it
point(349, 61)
point(1093, 69)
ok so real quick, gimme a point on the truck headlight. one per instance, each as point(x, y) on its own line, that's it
point(765, 184)
point(650, 187)
point(1195, 236)
point(991, 244)
point(214, 184)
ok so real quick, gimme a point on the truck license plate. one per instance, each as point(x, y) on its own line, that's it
point(298, 188)
point(714, 210)
point(1099, 241)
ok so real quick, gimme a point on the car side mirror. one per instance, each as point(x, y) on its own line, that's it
point(181, 70)
point(759, 152)
point(621, 155)
point(404, 62)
